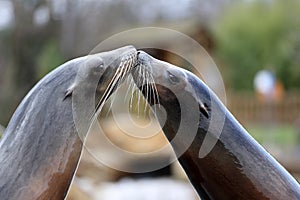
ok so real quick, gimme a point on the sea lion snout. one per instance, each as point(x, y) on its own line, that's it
point(162, 72)
point(99, 71)
point(115, 56)
point(143, 57)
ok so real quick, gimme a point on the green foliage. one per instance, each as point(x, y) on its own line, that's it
point(280, 135)
point(260, 35)
point(49, 58)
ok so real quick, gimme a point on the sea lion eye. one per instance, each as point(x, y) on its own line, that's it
point(173, 78)
point(98, 68)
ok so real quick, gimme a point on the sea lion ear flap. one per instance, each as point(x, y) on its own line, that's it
point(69, 91)
point(203, 108)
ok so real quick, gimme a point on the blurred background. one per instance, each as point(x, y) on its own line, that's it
point(255, 44)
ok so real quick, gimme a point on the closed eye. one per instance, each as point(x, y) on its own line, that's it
point(173, 78)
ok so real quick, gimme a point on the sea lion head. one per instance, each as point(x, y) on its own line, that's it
point(96, 79)
point(106, 68)
point(167, 82)
point(181, 102)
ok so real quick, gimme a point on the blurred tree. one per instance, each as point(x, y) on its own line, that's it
point(29, 39)
point(44, 33)
point(49, 58)
point(260, 34)
point(86, 23)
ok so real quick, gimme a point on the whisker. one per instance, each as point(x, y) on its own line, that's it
point(155, 92)
point(103, 99)
point(154, 97)
point(130, 90)
point(116, 80)
point(106, 92)
point(143, 89)
point(112, 100)
point(110, 104)
point(139, 93)
point(147, 89)
point(127, 66)
point(123, 66)
point(132, 95)
point(119, 76)
point(129, 82)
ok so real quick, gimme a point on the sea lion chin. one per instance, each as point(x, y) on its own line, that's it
point(236, 167)
point(40, 148)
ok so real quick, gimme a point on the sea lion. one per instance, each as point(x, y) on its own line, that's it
point(40, 148)
point(237, 167)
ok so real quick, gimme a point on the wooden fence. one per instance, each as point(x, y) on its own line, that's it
point(247, 108)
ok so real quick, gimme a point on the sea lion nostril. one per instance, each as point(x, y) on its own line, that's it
point(143, 57)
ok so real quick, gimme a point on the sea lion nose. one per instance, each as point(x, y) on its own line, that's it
point(117, 55)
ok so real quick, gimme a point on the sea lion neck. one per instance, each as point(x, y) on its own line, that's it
point(41, 147)
point(25, 158)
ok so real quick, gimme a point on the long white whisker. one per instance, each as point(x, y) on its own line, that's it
point(147, 89)
point(154, 97)
point(156, 92)
point(117, 78)
point(139, 93)
point(132, 93)
point(112, 82)
point(123, 68)
point(143, 89)
point(112, 100)
point(110, 105)
point(127, 66)
point(103, 99)
point(130, 90)
point(129, 81)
